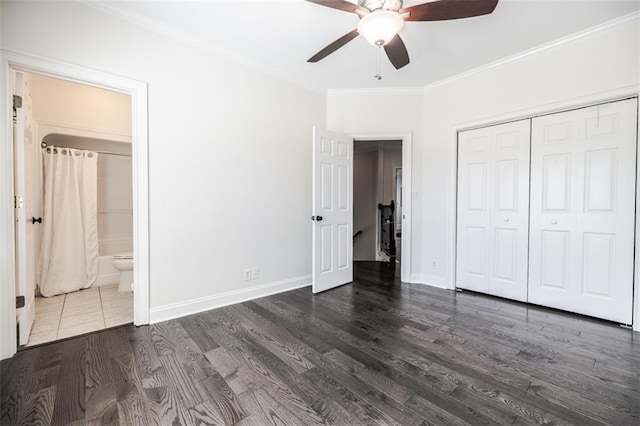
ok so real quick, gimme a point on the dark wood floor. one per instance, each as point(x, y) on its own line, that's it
point(375, 352)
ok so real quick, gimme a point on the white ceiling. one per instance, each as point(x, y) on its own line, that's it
point(280, 35)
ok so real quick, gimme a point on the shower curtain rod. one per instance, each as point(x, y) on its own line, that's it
point(44, 145)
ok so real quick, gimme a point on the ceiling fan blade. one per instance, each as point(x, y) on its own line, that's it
point(397, 52)
point(449, 9)
point(342, 5)
point(334, 46)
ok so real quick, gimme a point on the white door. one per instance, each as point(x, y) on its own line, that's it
point(25, 187)
point(332, 210)
point(583, 173)
point(493, 210)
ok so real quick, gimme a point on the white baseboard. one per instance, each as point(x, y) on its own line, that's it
point(431, 280)
point(188, 307)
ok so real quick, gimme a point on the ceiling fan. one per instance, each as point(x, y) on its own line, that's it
point(382, 20)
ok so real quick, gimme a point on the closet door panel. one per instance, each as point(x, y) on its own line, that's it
point(474, 168)
point(493, 197)
point(583, 171)
point(510, 210)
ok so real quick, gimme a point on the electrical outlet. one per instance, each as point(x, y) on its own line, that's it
point(247, 274)
point(255, 273)
point(434, 264)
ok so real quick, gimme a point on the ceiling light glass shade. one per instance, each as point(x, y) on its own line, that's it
point(380, 26)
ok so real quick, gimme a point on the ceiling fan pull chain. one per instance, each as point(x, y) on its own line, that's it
point(377, 75)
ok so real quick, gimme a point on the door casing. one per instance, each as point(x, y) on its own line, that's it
point(11, 61)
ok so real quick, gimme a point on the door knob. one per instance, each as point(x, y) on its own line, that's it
point(554, 222)
point(506, 220)
point(318, 218)
point(36, 220)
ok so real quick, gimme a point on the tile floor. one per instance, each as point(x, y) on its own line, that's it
point(80, 312)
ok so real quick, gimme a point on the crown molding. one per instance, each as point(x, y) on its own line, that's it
point(377, 91)
point(197, 42)
point(578, 36)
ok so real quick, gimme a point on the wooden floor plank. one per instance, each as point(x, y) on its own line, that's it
point(374, 352)
point(69, 405)
point(102, 405)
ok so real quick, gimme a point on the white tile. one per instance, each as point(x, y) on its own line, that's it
point(116, 295)
point(42, 337)
point(124, 314)
point(118, 320)
point(88, 302)
point(46, 321)
point(127, 298)
point(111, 288)
point(48, 308)
point(117, 305)
point(80, 328)
point(82, 310)
point(46, 301)
point(86, 292)
point(72, 321)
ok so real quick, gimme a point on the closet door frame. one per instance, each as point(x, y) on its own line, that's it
point(543, 109)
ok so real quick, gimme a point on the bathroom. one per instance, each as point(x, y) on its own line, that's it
point(68, 126)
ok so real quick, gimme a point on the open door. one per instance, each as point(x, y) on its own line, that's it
point(332, 210)
point(26, 206)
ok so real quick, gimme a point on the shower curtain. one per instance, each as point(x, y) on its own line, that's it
point(69, 253)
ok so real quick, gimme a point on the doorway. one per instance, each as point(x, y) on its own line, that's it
point(137, 92)
point(378, 202)
point(72, 235)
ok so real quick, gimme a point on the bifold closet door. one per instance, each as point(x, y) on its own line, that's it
point(583, 174)
point(493, 210)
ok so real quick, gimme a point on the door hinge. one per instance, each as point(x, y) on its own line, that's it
point(18, 202)
point(20, 302)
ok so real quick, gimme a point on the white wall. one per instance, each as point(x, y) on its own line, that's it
point(392, 160)
point(229, 152)
point(79, 105)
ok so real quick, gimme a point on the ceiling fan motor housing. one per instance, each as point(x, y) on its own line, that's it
point(372, 5)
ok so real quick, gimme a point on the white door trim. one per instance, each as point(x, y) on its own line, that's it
point(578, 102)
point(138, 91)
point(407, 152)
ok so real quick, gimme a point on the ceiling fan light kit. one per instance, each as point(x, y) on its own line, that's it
point(380, 26)
point(382, 20)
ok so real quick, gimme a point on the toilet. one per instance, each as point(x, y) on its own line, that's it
point(123, 262)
